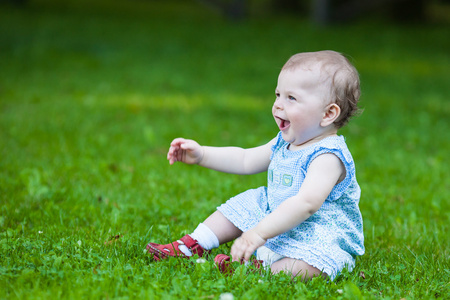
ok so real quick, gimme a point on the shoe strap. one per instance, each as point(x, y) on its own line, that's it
point(192, 245)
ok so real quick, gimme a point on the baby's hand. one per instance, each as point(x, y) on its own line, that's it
point(246, 245)
point(187, 151)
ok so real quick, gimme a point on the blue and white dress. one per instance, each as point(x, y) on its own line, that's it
point(332, 237)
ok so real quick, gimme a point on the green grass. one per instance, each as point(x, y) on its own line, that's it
point(92, 95)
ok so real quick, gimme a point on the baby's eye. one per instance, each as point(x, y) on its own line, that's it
point(292, 98)
point(277, 95)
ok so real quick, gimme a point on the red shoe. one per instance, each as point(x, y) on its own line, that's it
point(172, 250)
point(223, 262)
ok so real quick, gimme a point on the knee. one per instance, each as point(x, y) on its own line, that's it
point(297, 268)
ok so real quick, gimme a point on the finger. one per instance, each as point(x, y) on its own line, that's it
point(236, 257)
point(177, 155)
point(187, 145)
point(236, 251)
point(171, 155)
point(248, 254)
point(233, 251)
point(174, 146)
point(176, 143)
point(172, 160)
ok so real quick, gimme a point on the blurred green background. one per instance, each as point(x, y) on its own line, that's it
point(92, 93)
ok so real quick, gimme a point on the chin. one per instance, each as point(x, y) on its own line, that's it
point(286, 137)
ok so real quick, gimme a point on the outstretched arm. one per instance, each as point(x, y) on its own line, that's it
point(323, 174)
point(225, 159)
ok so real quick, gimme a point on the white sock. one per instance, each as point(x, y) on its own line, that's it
point(205, 237)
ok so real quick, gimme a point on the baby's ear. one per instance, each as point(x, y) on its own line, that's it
point(331, 113)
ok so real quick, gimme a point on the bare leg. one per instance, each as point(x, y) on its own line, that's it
point(296, 268)
point(222, 227)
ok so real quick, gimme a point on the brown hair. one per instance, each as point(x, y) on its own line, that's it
point(343, 76)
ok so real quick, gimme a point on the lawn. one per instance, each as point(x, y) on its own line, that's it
point(92, 94)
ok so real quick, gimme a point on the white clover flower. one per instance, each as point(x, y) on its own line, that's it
point(200, 260)
point(260, 281)
point(40, 232)
point(339, 291)
point(79, 243)
point(226, 296)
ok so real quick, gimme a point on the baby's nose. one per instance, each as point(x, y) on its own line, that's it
point(277, 104)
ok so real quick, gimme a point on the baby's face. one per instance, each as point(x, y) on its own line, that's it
point(300, 105)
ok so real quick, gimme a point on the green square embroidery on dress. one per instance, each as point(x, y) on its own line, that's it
point(287, 180)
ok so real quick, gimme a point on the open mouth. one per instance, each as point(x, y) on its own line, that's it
point(283, 124)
